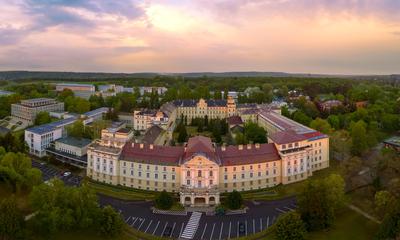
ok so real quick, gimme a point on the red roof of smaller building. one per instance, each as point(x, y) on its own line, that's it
point(234, 120)
point(232, 155)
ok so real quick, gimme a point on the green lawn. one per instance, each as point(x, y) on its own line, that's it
point(348, 225)
point(283, 191)
point(121, 192)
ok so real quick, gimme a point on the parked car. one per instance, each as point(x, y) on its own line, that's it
point(242, 229)
point(167, 231)
point(66, 174)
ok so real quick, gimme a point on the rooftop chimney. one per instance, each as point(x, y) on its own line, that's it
point(248, 146)
point(240, 147)
point(133, 144)
point(257, 145)
point(223, 148)
point(151, 146)
point(141, 146)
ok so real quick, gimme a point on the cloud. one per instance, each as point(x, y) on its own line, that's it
point(10, 34)
point(229, 10)
point(49, 13)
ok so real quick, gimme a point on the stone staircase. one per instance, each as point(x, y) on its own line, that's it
point(191, 226)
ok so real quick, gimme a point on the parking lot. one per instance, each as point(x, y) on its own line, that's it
point(259, 217)
point(49, 172)
point(138, 214)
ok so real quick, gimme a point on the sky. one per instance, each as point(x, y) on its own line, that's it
point(297, 36)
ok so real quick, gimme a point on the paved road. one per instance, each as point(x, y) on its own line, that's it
point(138, 214)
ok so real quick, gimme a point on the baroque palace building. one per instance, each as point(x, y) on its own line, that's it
point(200, 170)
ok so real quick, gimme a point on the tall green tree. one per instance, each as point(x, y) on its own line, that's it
point(289, 226)
point(164, 200)
point(234, 200)
point(42, 118)
point(321, 125)
point(111, 223)
point(12, 223)
point(359, 138)
point(319, 200)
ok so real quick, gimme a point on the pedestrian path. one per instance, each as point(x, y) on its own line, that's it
point(191, 227)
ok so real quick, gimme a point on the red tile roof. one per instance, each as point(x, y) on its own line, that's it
point(314, 135)
point(234, 120)
point(200, 144)
point(161, 155)
point(233, 156)
point(288, 136)
point(172, 155)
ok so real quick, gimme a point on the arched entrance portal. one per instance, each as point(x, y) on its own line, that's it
point(211, 201)
point(188, 201)
point(199, 201)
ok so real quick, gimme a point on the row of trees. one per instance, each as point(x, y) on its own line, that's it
point(58, 208)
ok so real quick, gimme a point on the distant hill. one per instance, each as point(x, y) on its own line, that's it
point(26, 75)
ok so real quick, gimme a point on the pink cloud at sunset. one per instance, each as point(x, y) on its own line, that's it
point(312, 36)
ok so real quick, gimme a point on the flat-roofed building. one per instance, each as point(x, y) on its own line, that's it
point(70, 150)
point(126, 118)
point(5, 93)
point(39, 138)
point(28, 109)
point(79, 90)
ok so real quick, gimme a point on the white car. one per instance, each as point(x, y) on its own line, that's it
point(66, 174)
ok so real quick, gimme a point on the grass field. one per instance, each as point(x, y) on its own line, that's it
point(348, 225)
point(283, 191)
point(121, 192)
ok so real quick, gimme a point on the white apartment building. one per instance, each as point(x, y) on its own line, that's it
point(41, 137)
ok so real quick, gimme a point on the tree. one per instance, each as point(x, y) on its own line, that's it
point(234, 200)
point(12, 224)
point(77, 129)
point(289, 226)
point(182, 134)
point(111, 223)
point(319, 200)
point(321, 125)
point(334, 121)
point(255, 133)
point(302, 118)
point(42, 118)
point(383, 199)
point(164, 200)
point(390, 227)
point(359, 138)
point(59, 208)
point(16, 170)
point(65, 93)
